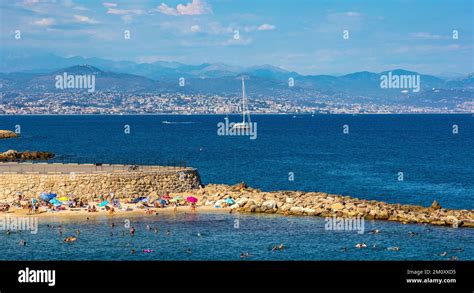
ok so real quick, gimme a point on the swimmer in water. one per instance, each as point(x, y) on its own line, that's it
point(361, 245)
point(188, 251)
point(168, 232)
point(148, 227)
point(70, 239)
point(281, 247)
point(132, 251)
point(244, 255)
point(132, 231)
point(22, 243)
point(78, 232)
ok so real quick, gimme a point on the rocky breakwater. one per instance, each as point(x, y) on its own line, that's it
point(248, 200)
point(7, 134)
point(13, 155)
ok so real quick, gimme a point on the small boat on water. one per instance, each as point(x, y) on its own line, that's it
point(245, 124)
point(177, 122)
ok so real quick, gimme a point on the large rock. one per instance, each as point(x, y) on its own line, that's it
point(296, 210)
point(435, 205)
point(286, 207)
point(7, 134)
point(269, 205)
point(242, 201)
point(337, 206)
point(309, 211)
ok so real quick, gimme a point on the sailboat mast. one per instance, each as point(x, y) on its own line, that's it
point(243, 100)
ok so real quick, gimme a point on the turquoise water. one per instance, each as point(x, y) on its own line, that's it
point(304, 238)
point(365, 163)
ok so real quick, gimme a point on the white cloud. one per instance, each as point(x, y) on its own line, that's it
point(80, 8)
point(109, 4)
point(124, 11)
point(266, 27)
point(195, 28)
point(165, 9)
point(196, 7)
point(85, 19)
point(44, 22)
point(30, 2)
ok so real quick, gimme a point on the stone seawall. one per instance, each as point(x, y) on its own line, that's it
point(91, 181)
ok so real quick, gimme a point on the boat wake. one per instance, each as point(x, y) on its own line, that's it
point(178, 122)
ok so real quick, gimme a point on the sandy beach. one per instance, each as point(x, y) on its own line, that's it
point(132, 210)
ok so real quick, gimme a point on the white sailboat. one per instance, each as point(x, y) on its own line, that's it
point(245, 124)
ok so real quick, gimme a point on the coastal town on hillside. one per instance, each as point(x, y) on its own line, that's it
point(178, 103)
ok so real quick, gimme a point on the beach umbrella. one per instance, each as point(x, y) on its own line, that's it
point(44, 196)
point(192, 199)
point(63, 198)
point(137, 200)
point(162, 201)
point(104, 203)
point(173, 200)
point(55, 202)
point(166, 197)
point(229, 200)
point(178, 198)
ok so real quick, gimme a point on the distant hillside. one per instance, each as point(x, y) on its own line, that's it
point(208, 79)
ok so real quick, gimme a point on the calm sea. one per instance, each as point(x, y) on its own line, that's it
point(394, 158)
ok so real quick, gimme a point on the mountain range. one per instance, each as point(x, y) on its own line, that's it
point(37, 74)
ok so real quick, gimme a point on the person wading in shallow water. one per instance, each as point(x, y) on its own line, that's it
point(132, 231)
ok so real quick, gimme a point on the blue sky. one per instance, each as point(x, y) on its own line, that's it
point(305, 36)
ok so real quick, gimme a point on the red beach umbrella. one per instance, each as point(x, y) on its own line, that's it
point(192, 199)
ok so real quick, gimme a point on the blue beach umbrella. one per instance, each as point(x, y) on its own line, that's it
point(102, 204)
point(137, 200)
point(162, 201)
point(55, 202)
point(44, 196)
point(229, 201)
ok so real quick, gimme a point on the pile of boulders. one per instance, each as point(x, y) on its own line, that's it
point(7, 134)
point(13, 155)
point(321, 204)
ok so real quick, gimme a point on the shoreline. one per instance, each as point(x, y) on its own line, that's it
point(237, 114)
point(80, 215)
point(247, 200)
